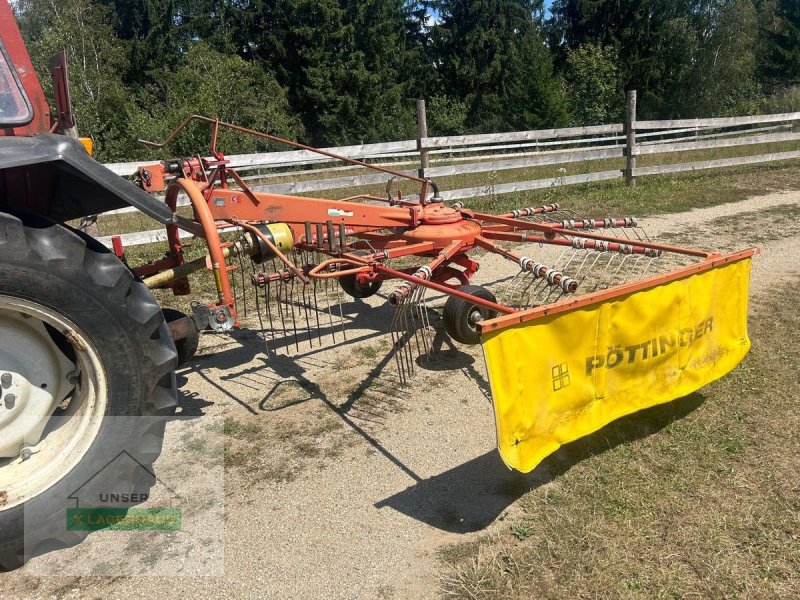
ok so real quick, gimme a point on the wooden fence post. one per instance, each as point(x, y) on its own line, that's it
point(422, 133)
point(630, 146)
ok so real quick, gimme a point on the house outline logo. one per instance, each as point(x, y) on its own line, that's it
point(75, 495)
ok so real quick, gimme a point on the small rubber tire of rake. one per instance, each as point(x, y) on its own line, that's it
point(353, 288)
point(460, 315)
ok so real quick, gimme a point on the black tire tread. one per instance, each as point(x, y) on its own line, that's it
point(456, 313)
point(62, 248)
point(354, 289)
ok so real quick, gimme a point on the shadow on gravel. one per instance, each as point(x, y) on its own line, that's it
point(471, 496)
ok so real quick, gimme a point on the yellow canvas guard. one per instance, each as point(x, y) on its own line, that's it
point(563, 376)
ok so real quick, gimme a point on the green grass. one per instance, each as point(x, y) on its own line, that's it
point(708, 506)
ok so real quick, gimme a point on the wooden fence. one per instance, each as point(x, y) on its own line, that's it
point(439, 157)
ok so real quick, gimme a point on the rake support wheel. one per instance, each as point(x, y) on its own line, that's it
point(353, 288)
point(461, 316)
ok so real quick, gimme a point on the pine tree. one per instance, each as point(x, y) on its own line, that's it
point(656, 41)
point(783, 40)
point(150, 34)
point(490, 54)
point(347, 64)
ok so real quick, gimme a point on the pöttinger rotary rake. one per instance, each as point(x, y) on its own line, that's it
point(592, 321)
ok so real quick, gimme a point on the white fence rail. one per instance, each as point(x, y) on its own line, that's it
point(441, 157)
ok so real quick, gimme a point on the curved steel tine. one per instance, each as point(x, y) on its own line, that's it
point(597, 257)
point(330, 309)
point(401, 327)
point(413, 307)
point(396, 342)
point(258, 313)
point(563, 267)
point(316, 312)
point(306, 300)
point(579, 275)
point(341, 309)
point(279, 308)
point(408, 333)
point(509, 295)
point(422, 325)
point(426, 313)
point(292, 305)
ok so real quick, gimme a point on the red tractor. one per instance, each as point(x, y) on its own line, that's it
point(609, 324)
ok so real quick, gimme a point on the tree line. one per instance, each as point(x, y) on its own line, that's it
point(333, 72)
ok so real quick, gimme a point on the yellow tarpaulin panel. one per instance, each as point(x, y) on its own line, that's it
point(564, 376)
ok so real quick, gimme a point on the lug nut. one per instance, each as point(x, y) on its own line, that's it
point(5, 379)
point(26, 453)
point(11, 400)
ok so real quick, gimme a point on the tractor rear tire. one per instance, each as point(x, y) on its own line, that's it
point(66, 299)
point(460, 315)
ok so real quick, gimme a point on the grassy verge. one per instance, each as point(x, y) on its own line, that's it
point(708, 507)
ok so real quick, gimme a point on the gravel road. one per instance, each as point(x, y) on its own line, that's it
point(342, 484)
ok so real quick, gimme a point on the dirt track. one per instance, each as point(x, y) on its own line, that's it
point(342, 484)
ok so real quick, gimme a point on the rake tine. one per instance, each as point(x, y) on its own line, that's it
point(545, 293)
point(521, 284)
point(268, 305)
point(520, 281)
point(632, 270)
point(341, 310)
point(414, 328)
point(426, 323)
point(316, 313)
point(581, 275)
point(281, 293)
point(647, 266)
point(526, 281)
point(505, 295)
point(421, 330)
point(409, 332)
point(619, 268)
point(538, 286)
point(405, 338)
point(566, 265)
point(396, 345)
point(305, 309)
point(330, 311)
point(261, 321)
point(398, 341)
point(291, 306)
point(597, 256)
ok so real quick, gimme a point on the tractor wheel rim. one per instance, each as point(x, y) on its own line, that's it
point(51, 405)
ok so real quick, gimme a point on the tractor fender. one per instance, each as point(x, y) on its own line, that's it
point(52, 175)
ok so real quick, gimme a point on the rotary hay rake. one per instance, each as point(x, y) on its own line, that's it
point(594, 321)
